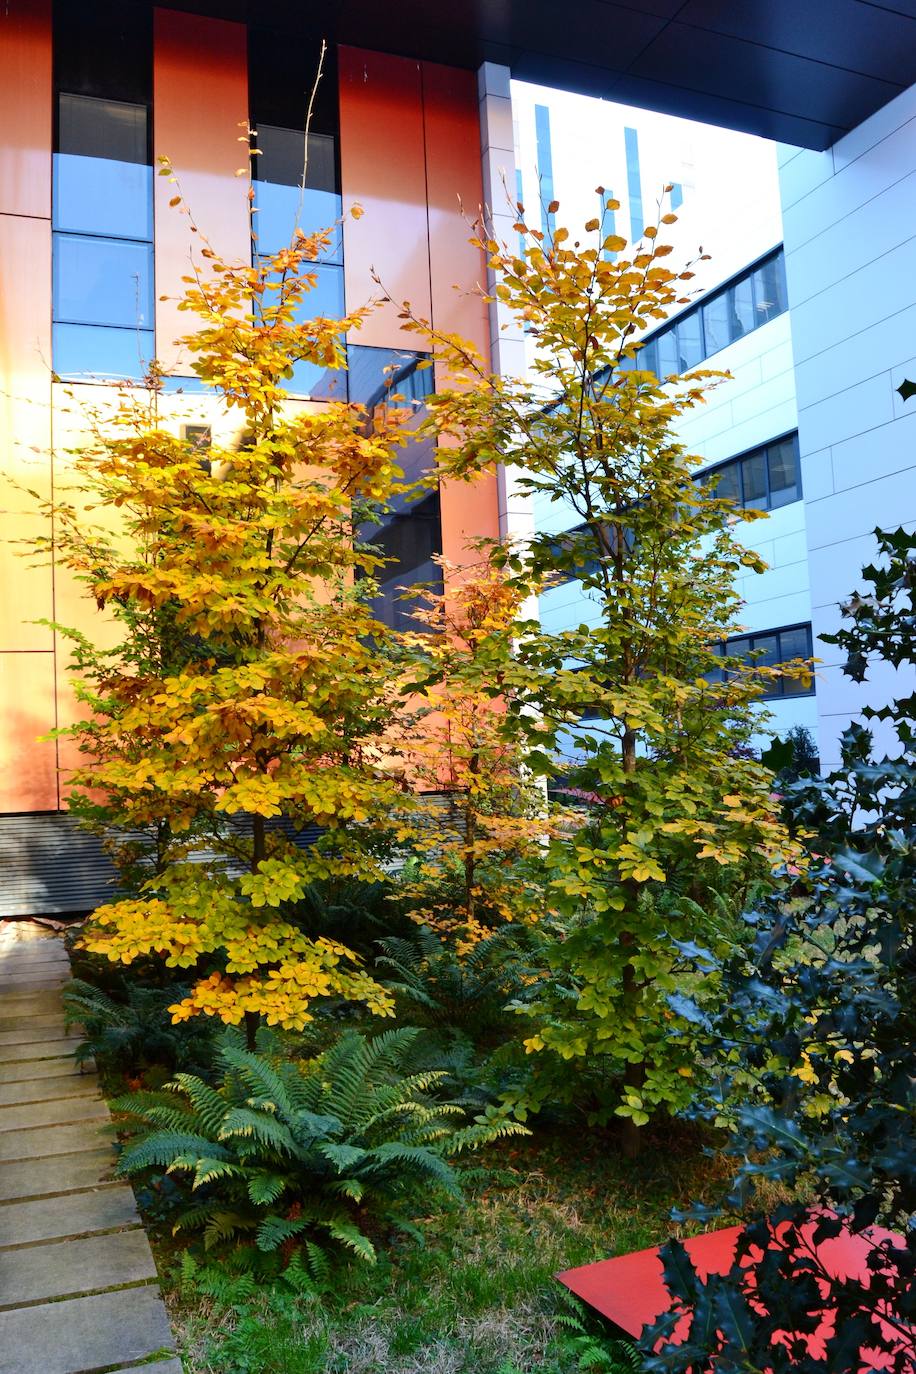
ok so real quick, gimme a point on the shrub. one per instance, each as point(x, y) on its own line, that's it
point(283, 1155)
point(468, 991)
point(137, 1032)
point(819, 1026)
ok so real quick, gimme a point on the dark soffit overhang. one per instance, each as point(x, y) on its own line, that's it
point(800, 71)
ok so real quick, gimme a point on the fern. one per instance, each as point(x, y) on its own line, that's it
point(137, 1032)
point(283, 1158)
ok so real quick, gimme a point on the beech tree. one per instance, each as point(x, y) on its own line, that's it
point(646, 722)
point(465, 738)
point(251, 679)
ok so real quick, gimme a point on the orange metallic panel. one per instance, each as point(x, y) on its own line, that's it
point(383, 168)
point(455, 191)
point(25, 108)
point(28, 770)
point(200, 99)
point(26, 591)
point(457, 272)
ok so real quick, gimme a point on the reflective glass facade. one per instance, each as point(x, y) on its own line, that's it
point(102, 197)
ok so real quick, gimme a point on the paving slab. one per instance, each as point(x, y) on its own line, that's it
point(85, 1333)
point(40, 1049)
point(49, 1089)
point(61, 1066)
point(47, 1018)
point(12, 990)
point(58, 1112)
point(40, 1141)
point(63, 1268)
point(50, 1218)
point(56, 1173)
point(55, 1028)
point(23, 1004)
point(28, 963)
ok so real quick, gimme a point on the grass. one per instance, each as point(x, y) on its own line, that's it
point(473, 1291)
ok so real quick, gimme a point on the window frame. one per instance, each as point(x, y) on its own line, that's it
point(747, 274)
point(735, 463)
point(774, 690)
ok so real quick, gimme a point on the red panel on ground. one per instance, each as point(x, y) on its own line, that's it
point(630, 1291)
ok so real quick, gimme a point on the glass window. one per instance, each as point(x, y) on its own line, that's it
point(740, 309)
point(86, 352)
point(715, 323)
point(89, 127)
point(103, 281)
point(783, 466)
point(324, 300)
point(795, 643)
point(377, 373)
point(754, 481)
point(668, 358)
point(94, 195)
point(690, 341)
point(765, 649)
point(410, 539)
point(726, 483)
point(281, 203)
point(770, 289)
point(647, 357)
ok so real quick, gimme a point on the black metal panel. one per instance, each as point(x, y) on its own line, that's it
point(50, 866)
point(802, 71)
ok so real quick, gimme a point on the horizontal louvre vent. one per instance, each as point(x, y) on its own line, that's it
point(49, 865)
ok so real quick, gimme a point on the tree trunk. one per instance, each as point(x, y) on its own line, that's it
point(258, 855)
point(634, 1074)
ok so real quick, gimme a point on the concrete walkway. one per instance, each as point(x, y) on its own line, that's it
point(78, 1285)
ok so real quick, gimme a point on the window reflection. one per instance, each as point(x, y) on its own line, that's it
point(86, 352)
point(733, 311)
point(410, 533)
point(103, 281)
point(764, 479)
point(282, 204)
point(102, 216)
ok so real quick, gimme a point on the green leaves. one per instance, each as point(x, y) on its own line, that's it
point(347, 1135)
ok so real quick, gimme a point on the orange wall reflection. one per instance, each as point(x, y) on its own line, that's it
point(200, 98)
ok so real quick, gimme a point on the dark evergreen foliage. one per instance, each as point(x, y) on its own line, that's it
point(819, 1028)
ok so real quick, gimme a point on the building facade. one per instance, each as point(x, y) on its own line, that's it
point(807, 302)
point(416, 118)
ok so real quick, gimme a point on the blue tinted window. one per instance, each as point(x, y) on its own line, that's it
point(741, 319)
point(668, 357)
point(376, 373)
point(279, 209)
point(103, 281)
point(677, 196)
point(326, 301)
point(94, 195)
point(634, 184)
point(85, 352)
point(690, 341)
point(716, 323)
point(281, 203)
point(765, 478)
